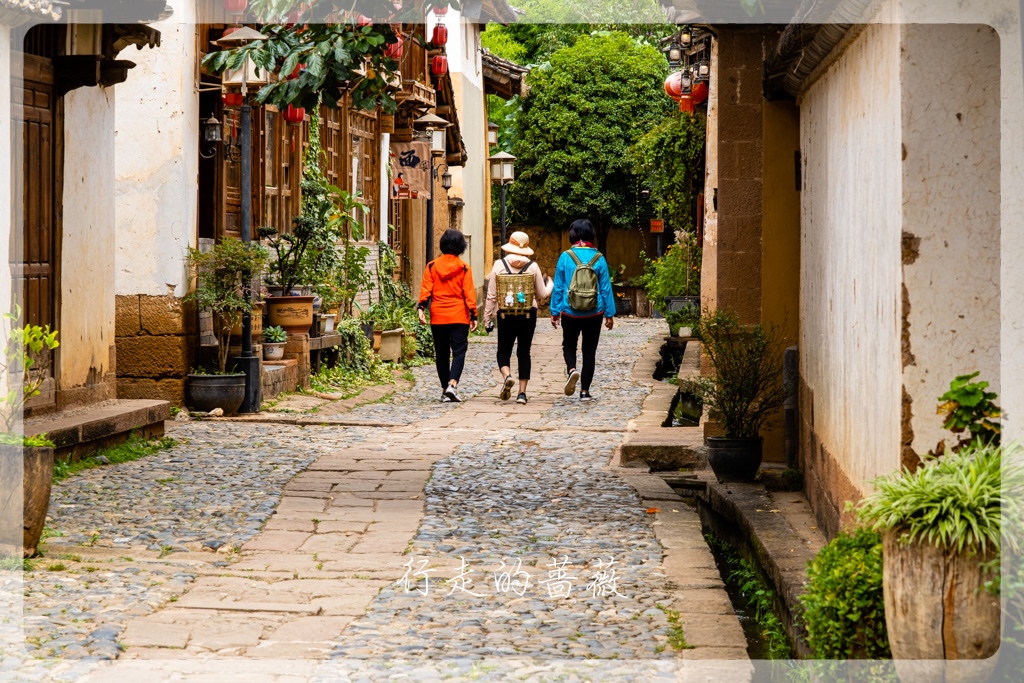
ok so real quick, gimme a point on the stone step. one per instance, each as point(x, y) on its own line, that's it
point(665, 448)
point(80, 432)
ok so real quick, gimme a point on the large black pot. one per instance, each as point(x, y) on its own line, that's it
point(206, 392)
point(681, 303)
point(623, 306)
point(734, 459)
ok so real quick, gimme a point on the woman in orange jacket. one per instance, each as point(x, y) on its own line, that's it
point(448, 291)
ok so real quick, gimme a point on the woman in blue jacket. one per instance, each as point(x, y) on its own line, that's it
point(576, 323)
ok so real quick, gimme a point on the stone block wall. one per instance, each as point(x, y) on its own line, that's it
point(156, 341)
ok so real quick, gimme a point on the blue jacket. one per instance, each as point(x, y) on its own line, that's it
point(563, 276)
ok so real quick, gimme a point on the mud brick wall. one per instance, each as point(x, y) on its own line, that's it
point(156, 341)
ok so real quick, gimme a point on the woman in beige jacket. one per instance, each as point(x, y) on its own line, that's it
point(515, 328)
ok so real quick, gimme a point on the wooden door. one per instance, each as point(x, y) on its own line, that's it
point(34, 252)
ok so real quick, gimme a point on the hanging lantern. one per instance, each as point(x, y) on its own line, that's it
point(700, 92)
point(439, 65)
point(439, 38)
point(395, 50)
point(441, 10)
point(686, 103)
point(703, 70)
point(673, 85)
point(232, 99)
point(685, 81)
point(235, 6)
point(294, 114)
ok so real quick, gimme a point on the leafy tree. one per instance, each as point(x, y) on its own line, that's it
point(583, 115)
point(671, 159)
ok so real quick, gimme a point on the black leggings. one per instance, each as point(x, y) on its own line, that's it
point(450, 339)
point(590, 328)
point(510, 329)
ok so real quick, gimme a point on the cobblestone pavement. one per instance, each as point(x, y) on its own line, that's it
point(271, 542)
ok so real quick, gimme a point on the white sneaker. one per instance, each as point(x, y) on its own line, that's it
point(570, 383)
point(506, 389)
point(452, 394)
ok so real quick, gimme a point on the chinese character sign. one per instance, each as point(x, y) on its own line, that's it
point(657, 225)
point(410, 177)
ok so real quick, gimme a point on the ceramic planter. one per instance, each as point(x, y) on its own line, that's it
point(26, 478)
point(734, 459)
point(206, 392)
point(257, 323)
point(941, 622)
point(391, 345)
point(273, 351)
point(327, 322)
point(293, 313)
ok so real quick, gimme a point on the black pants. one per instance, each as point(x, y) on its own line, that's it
point(590, 328)
point(513, 328)
point(454, 340)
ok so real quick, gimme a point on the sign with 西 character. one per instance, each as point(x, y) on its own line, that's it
point(411, 164)
point(657, 225)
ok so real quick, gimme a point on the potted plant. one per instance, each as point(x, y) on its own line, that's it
point(274, 340)
point(221, 283)
point(387, 317)
point(673, 280)
point(26, 355)
point(682, 323)
point(743, 392)
point(940, 527)
point(623, 306)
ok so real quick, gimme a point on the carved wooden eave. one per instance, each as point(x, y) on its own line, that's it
point(18, 12)
point(502, 77)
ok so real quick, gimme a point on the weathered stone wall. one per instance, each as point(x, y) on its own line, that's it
point(157, 338)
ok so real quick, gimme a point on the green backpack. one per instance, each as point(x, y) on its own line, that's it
point(583, 286)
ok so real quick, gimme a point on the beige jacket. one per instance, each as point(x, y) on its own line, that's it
point(515, 262)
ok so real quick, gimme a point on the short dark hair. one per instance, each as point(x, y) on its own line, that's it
point(453, 242)
point(582, 230)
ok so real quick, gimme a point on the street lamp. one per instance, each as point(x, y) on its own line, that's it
point(243, 77)
point(503, 172)
point(492, 134)
point(434, 127)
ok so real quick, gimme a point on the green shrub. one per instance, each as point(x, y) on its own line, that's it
point(969, 408)
point(843, 608)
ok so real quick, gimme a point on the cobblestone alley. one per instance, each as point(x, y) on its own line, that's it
point(404, 539)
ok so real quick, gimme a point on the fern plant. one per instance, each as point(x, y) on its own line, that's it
point(957, 502)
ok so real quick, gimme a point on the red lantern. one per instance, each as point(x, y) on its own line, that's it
point(441, 10)
point(674, 85)
point(235, 6)
point(439, 38)
point(297, 71)
point(439, 65)
point(394, 50)
point(700, 92)
point(232, 99)
point(686, 103)
point(294, 114)
point(363, 20)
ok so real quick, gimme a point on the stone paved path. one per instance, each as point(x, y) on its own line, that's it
point(283, 553)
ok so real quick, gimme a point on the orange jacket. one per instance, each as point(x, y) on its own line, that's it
point(448, 290)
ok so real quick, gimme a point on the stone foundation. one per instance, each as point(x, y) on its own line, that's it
point(826, 485)
point(157, 338)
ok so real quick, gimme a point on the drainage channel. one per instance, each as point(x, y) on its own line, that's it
point(751, 599)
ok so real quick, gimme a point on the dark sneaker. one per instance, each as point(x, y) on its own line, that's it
point(570, 383)
point(522, 398)
point(585, 396)
point(452, 394)
point(506, 388)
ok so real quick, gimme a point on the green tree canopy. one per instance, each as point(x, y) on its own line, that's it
point(670, 158)
point(577, 126)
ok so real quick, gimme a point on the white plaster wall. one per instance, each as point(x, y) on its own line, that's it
point(87, 249)
point(157, 161)
point(850, 253)
point(951, 202)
